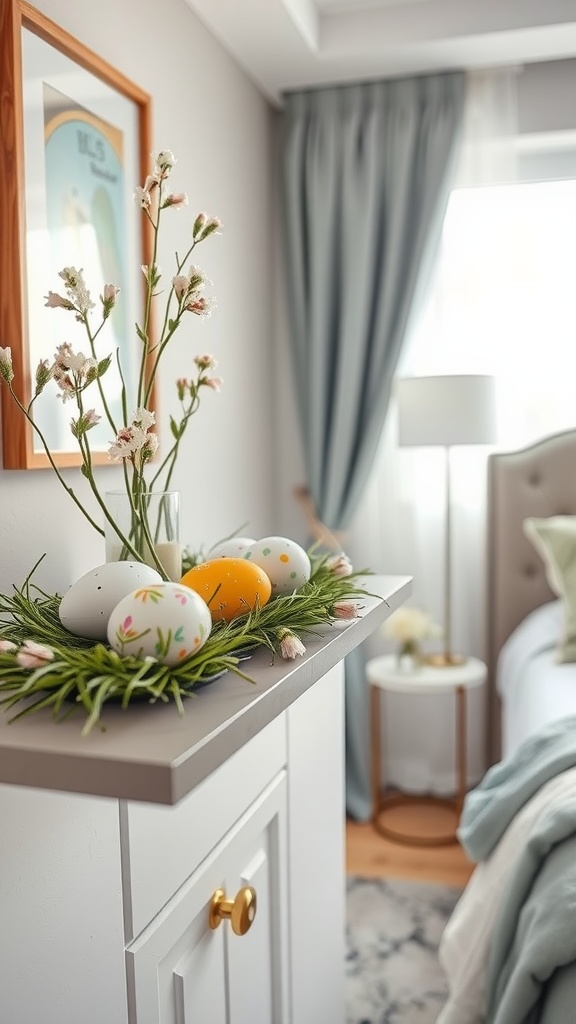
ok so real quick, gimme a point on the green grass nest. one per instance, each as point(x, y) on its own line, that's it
point(85, 676)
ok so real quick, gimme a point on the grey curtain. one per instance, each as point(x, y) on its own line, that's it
point(365, 177)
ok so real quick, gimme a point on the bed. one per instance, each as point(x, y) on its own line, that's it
point(509, 949)
point(539, 481)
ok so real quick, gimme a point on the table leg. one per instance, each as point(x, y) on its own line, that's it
point(375, 747)
point(382, 803)
point(461, 747)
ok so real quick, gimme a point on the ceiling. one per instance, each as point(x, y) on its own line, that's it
point(291, 44)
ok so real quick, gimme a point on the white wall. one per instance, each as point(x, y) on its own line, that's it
point(220, 129)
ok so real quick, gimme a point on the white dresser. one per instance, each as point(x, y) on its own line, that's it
point(112, 847)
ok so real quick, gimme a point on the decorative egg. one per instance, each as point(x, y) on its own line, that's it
point(285, 563)
point(88, 603)
point(229, 586)
point(232, 548)
point(165, 621)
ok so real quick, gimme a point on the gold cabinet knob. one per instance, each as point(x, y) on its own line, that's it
point(241, 910)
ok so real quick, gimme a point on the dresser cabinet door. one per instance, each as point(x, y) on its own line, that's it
point(181, 971)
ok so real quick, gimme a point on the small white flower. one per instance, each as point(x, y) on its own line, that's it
point(180, 285)
point(176, 200)
point(76, 288)
point(182, 387)
point(110, 291)
point(33, 655)
point(134, 439)
point(199, 224)
point(165, 161)
point(345, 610)
point(204, 226)
point(143, 418)
point(201, 306)
point(66, 385)
point(62, 356)
point(408, 625)
point(212, 382)
point(43, 374)
point(85, 422)
point(55, 301)
point(92, 417)
point(205, 362)
point(196, 279)
point(6, 370)
point(340, 565)
point(152, 274)
point(143, 193)
point(76, 363)
point(119, 451)
point(72, 371)
point(108, 299)
point(142, 197)
point(128, 441)
point(290, 645)
point(149, 448)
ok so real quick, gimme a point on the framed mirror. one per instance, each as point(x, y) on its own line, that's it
point(74, 144)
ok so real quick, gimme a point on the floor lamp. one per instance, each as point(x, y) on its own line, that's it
point(446, 411)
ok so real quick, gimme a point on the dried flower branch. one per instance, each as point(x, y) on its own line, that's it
point(135, 442)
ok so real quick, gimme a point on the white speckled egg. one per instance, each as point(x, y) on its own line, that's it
point(87, 604)
point(285, 563)
point(166, 621)
point(235, 547)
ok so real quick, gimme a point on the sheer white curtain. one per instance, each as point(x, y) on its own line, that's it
point(399, 527)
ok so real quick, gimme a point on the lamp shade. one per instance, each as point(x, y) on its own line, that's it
point(446, 410)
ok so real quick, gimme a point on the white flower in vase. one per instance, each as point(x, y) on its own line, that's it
point(409, 626)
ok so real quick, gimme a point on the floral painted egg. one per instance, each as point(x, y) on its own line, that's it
point(229, 586)
point(234, 547)
point(165, 621)
point(285, 563)
point(88, 603)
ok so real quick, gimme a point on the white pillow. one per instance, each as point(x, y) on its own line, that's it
point(554, 539)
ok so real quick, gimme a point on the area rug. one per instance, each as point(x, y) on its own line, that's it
point(393, 932)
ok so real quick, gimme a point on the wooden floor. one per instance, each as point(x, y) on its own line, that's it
point(369, 855)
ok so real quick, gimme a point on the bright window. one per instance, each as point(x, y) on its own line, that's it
point(503, 301)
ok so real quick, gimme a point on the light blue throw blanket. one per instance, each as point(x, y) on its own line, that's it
point(532, 970)
point(535, 933)
point(506, 787)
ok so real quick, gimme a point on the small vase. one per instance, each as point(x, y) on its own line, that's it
point(151, 527)
point(409, 657)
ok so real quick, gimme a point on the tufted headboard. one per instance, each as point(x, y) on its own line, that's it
point(535, 481)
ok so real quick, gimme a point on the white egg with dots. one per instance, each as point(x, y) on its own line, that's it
point(234, 547)
point(286, 564)
point(88, 603)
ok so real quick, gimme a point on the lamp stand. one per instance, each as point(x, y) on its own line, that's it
point(447, 657)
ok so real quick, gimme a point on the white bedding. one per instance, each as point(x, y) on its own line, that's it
point(534, 688)
point(465, 944)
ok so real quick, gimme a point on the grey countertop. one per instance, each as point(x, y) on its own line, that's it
point(154, 754)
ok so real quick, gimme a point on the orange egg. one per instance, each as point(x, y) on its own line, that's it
point(229, 586)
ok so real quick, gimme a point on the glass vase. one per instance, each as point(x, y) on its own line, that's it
point(409, 657)
point(150, 526)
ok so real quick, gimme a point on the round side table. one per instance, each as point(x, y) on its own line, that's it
point(384, 673)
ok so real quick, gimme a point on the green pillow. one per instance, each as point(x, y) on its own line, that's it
point(555, 541)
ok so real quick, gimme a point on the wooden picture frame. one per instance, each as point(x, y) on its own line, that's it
point(60, 102)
